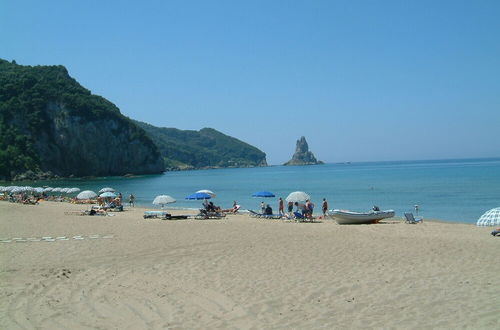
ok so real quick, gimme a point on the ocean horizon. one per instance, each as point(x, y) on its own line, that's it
point(456, 190)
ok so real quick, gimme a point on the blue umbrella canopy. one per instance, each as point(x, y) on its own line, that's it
point(263, 194)
point(199, 195)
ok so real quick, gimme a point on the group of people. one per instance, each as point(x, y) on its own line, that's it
point(22, 198)
point(306, 209)
point(209, 207)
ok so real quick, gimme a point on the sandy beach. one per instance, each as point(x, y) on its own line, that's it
point(125, 272)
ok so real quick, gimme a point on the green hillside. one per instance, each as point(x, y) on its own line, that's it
point(52, 126)
point(183, 149)
point(49, 122)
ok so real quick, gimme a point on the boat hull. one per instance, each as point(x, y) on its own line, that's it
point(344, 217)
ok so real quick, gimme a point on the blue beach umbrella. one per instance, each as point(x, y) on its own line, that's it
point(199, 196)
point(263, 194)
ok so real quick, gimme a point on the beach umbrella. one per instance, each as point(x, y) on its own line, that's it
point(490, 218)
point(58, 189)
point(208, 192)
point(163, 199)
point(108, 194)
point(38, 190)
point(264, 194)
point(17, 190)
point(297, 196)
point(47, 189)
point(10, 188)
point(108, 189)
point(86, 194)
point(73, 190)
point(198, 196)
point(64, 190)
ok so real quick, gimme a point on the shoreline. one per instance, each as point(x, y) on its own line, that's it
point(176, 211)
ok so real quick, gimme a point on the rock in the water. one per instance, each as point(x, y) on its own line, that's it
point(302, 155)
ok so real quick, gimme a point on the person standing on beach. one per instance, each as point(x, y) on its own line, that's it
point(324, 207)
point(290, 209)
point(280, 207)
point(131, 200)
point(262, 207)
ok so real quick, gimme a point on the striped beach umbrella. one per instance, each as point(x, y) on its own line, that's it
point(298, 196)
point(490, 218)
point(107, 189)
point(86, 194)
point(208, 192)
point(163, 199)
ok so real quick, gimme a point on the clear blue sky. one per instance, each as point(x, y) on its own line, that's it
point(362, 80)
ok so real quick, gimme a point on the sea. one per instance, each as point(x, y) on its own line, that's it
point(448, 190)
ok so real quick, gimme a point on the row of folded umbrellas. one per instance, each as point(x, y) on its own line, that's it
point(87, 194)
point(28, 189)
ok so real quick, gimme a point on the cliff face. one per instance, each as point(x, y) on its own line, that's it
point(302, 155)
point(49, 122)
point(78, 146)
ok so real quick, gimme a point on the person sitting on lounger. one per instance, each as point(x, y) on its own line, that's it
point(268, 210)
point(496, 232)
point(234, 209)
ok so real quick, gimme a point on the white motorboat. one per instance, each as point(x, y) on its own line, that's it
point(346, 217)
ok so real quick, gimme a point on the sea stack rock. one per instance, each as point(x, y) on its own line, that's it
point(302, 155)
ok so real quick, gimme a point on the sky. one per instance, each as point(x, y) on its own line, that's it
point(361, 80)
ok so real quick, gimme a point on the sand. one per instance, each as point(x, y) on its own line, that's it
point(242, 273)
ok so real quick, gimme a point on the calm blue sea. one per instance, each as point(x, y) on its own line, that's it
point(451, 190)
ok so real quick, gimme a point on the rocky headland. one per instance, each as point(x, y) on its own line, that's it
point(302, 155)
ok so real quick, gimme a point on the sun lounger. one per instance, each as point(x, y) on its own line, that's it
point(209, 215)
point(300, 218)
point(155, 214)
point(409, 218)
point(271, 216)
point(92, 211)
point(254, 214)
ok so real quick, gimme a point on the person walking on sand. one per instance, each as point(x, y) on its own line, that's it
point(281, 207)
point(131, 200)
point(324, 207)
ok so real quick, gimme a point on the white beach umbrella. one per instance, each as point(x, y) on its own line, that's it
point(64, 190)
point(10, 188)
point(107, 189)
point(297, 196)
point(73, 190)
point(17, 190)
point(108, 194)
point(47, 189)
point(38, 190)
point(163, 199)
point(208, 192)
point(86, 194)
point(490, 218)
point(58, 189)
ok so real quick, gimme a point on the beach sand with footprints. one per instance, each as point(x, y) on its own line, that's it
point(125, 272)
